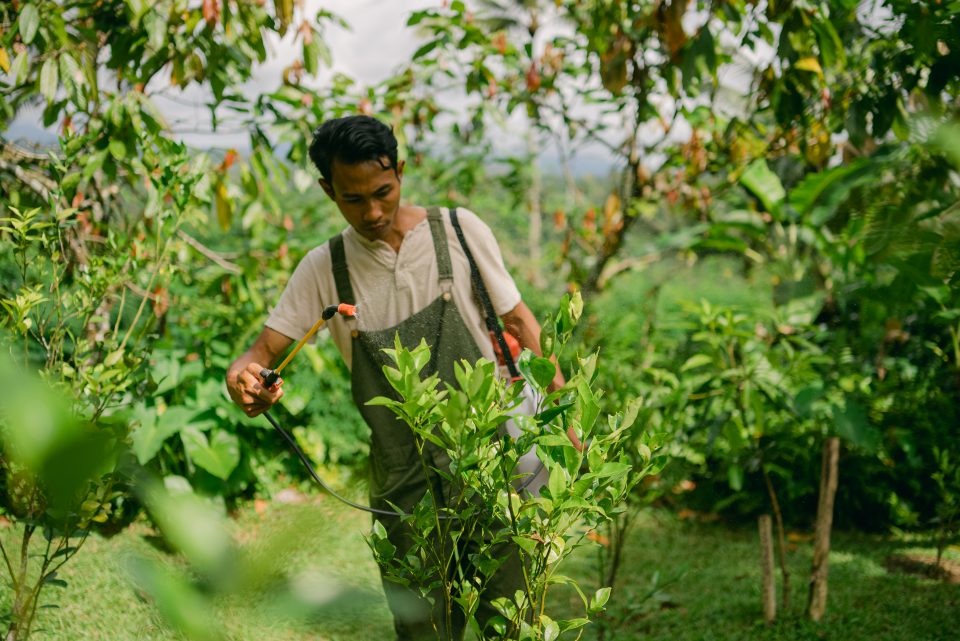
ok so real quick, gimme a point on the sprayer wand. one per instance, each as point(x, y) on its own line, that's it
point(272, 376)
point(271, 379)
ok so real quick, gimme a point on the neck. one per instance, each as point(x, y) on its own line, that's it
point(406, 219)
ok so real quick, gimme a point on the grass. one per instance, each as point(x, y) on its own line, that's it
point(712, 589)
point(315, 544)
point(707, 587)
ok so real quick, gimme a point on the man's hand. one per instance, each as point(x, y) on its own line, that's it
point(244, 383)
point(245, 387)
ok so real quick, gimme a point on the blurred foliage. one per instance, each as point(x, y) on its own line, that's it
point(59, 474)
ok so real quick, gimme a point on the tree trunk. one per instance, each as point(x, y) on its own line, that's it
point(766, 564)
point(781, 539)
point(817, 603)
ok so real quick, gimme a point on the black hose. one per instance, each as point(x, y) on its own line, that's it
point(316, 477)
point(364, 508)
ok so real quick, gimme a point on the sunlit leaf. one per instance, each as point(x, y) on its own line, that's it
point(809, 64)
point(764, 184)
point(29, 22)
point(224, 205)
point(49, 76)
point(219, 455)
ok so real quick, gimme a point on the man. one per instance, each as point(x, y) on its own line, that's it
point(405, 269)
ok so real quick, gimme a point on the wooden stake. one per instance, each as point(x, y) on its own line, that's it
point(817, 602)
point(766, 564)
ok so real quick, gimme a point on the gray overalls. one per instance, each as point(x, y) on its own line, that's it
point(397, 475)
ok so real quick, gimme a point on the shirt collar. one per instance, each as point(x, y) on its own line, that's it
point(380, 245)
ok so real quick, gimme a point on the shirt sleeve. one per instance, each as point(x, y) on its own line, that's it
point(301, 302)
point(486, 252)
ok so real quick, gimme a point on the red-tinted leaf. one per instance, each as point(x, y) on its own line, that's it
point(211, 12)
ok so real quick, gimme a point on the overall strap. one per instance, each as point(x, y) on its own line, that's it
point(341, 275)
point(490, 316)
point(439, 234)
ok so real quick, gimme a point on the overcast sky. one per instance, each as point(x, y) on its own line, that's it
point(372, 49)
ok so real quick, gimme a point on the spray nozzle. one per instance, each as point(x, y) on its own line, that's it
point(344, 309)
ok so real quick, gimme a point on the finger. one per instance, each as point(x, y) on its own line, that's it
point(256, 407)
point(251, 385)
point(249, 399)
point(254, 368)
point(264, 397)
point(265, 394)
point(254, 411)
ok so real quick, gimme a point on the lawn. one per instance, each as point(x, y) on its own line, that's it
point(681, 581)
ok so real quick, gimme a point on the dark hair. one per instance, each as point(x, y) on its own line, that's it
point(352, 140)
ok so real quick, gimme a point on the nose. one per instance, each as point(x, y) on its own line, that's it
point(373, 212)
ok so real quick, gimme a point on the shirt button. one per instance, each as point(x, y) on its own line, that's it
point(446, 295)
point(354, 333)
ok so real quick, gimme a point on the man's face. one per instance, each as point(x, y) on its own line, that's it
point(367, 194)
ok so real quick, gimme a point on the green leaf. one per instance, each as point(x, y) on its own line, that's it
point(947, 139)
point(550, 628)
point(851, 424)
point(536, 369)
point(148, 437)
point(425, 49)
point(527, 545)
point(20, 67)
point(589, 406)
point(548, 339)
point(576, 306)
point(311, 56)
point(149, 110)
point(630, 413)
point(697, 360)
point(554, 440)
point(70, 71)
point(557, 483)
point(219, 455)
point(572, 624)
point(831, 47)
point(29, 23)
point(118, 149)
point(223, 205)
point(735, 477)
point(764, 184)
point(552, 412)
point(49, 79)
point(599, 600)
point(820, 194)
point(156, 26)
point(810, 64)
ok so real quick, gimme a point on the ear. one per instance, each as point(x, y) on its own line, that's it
point(400, 165)
point(327, 189)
